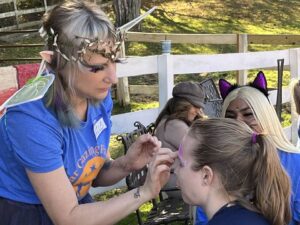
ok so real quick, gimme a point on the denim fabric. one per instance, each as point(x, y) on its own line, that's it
point(19, 213)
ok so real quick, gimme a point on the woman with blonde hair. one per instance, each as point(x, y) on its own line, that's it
point(251, 105)
point(264, 117)
point(295, 84)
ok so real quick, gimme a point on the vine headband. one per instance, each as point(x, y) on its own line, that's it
point(108, 49)
point(260, 83)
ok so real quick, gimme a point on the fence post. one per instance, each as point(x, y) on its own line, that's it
point(242, 41)
point(165, 74)
point(166, 46)
point(295, 74)
point(45, 5)
point(122, 85)
point(16, 13)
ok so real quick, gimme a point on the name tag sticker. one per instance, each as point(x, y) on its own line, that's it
point(99, 126)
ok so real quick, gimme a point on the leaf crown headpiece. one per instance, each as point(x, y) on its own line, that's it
point(108, 49)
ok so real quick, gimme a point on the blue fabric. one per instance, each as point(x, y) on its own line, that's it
point(291, 163)
point(237, 215)
point(201, 218)
point(32, 138)
point(16, 213)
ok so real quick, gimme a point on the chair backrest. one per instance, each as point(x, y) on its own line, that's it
point(213, 100)
point(135, 178)
point(167, 210)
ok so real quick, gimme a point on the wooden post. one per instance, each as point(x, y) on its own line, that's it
point(16, 13)
point(242, 41)
point(122, 85)
point(45, 5)
point(295, 74)
point(125, 11)
point(165, 74)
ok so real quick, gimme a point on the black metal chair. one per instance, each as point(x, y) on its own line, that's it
point(168, 210)
point(164, 211)
point(213, 100)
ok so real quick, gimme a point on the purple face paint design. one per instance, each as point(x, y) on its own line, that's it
point(180, 156)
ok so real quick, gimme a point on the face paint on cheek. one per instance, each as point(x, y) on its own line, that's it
point(180, 156)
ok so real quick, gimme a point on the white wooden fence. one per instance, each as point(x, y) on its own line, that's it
point(18, 13)
point(167, 65)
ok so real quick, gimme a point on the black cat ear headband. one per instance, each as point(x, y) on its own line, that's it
point(260, 83)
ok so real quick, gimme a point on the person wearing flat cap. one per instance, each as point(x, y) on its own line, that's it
point(174, 120)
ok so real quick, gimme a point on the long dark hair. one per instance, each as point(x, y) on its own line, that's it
point(175, 108)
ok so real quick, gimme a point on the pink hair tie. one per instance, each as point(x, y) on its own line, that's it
point(254, 137)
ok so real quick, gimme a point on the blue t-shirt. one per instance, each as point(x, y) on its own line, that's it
point(32, 138)
point(291, 163)
point(237, 215)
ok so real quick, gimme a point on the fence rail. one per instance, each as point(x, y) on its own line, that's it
point(167, 65)
point(284, 39)
point(16, 13)
point(240, 40)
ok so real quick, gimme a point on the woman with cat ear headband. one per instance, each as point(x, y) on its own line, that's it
point(250, 104)
point(54, 149)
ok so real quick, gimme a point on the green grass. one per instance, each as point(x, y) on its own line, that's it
point(130, 219)
point(135, 106)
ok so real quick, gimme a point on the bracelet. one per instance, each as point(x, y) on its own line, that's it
point(137, 193)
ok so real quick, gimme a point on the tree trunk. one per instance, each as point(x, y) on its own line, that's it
point(125, 11)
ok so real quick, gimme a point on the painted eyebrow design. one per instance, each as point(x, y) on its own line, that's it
point(180, 155)
point(83, 62)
